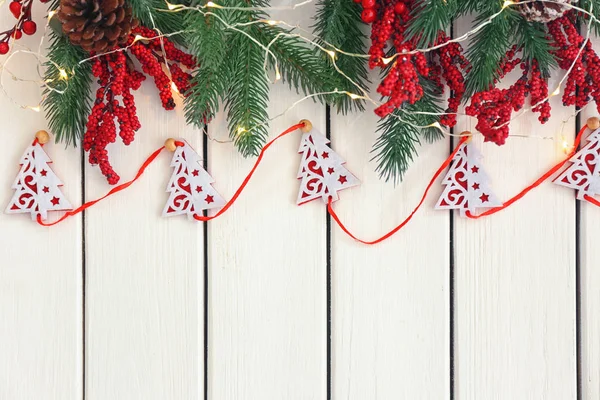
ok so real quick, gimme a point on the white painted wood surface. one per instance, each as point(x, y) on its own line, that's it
point(589, 288)
point(125, 318)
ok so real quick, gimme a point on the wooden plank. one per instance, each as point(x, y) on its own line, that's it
point(515, 272)
point(40, 268)
point(144, 311)
point(589, 278)
point(390, 307)
point(267, 260)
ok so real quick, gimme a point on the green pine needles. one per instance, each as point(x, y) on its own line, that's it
point(230, 47)
point(337, 26)
point(235, 72)
point(67, 102)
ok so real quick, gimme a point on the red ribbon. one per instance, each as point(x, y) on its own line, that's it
point(491, 211)
point(150, 159)
point(291, 129)
point(114, 190)
point(537, 183)
point(247, 179)
point(407, 220)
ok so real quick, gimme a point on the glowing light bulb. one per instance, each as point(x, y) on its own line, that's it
point(386, 61)
point(211, 4)
point(241, 130)
point(277, 75)
point(331, 53)
point(63, 74)
point(508, 3)
point(137, 38)
point(173, 6)
point(353, 96)
point(174, 87)
point(556, 92)
point(271, 22)
point(436, 125)
point(51, 14)
point(34, 108)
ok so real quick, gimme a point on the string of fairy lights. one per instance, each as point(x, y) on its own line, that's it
point(310, 39)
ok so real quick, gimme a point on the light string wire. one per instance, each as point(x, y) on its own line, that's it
point(365, 96)
point(331, 52)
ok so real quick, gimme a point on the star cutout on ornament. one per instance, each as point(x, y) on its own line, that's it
point(209, 199)
point(342, 179)
point(475, 169)
point(476, 186)
point(484, 198)
point(330, 170)
point(43, 172)
point(46, 189)
point(199, 189)
point(325, 155)
point(55, 201)
point(195, 172)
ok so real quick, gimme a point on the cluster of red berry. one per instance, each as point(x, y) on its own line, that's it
point(493, 108)
point(583, 83)
point(390, 19)
point(117, 78)
point(150, 54)
point(21, 10)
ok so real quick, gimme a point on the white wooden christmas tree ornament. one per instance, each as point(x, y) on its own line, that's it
point(467, 185)
point(322, 170)
point(36, 185)
point(190, 186)
point(584, 173)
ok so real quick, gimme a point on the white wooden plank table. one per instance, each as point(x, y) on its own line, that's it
point(273, 301)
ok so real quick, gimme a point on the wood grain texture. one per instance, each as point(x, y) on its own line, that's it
point(267, 260)
point(589, 279)
point(144, 292)
point(40, 268)
point(515, 273)
point(390, 304)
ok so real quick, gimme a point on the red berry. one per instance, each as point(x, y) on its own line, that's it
point(368, 3)
point(368, 15)
point(29, 27)
point(4, 48)
point(17, 34)
point(15, 8)
point(400, 8)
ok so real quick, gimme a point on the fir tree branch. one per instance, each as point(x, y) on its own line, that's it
point(583, 19)
point(209, 83)
point(154, 13)
point(208, 88)
point(337, 23)
point(248, 97)
point(428, 18)
point(488, 48)
point(532, 38)
point(396, 146)
point(470, 6)
point(67, 112)
point(297, 63)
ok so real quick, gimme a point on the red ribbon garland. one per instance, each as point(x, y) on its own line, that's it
point(291, 129)
point(114, 190)
point(407, 220)
point(149, 160)
point(247, 179)
point(537, 183)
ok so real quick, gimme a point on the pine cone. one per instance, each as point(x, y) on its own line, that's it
point(96, 25)
point(541, 11)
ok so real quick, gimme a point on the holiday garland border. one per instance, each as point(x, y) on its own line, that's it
point(593, 124)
